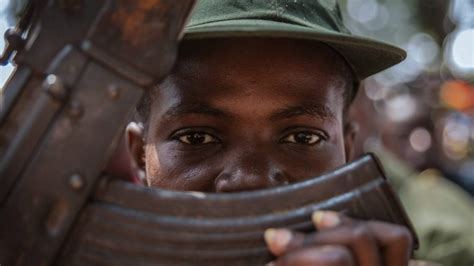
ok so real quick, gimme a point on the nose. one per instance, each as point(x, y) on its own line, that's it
point(249, 170)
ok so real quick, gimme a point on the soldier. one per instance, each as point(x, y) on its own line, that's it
point(259, 98)
point(441, 211)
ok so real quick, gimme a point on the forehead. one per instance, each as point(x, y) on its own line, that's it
point(256, 73)
point(254, 60)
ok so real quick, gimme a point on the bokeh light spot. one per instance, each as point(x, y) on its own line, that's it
point(400, 108)
point(423, 48)
point(462, 50)
point(362, 10)
point(456, 139)
point(457, 94)
point(420, 139)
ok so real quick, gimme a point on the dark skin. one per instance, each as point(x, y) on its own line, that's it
point(246, 114)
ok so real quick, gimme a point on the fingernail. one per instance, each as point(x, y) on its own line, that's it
point(325, 219)
point(269, 235)
point(271, 263)
point(279, 237)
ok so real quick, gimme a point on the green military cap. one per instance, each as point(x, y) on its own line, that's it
point(318, 20)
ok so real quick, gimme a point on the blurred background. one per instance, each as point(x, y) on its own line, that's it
point(420, 111)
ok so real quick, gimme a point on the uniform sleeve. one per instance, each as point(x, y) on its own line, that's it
point(443, 216)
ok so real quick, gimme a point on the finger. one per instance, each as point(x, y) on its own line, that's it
point(280, 241)
point(368, 240)
point(322, 256)
point(328, 219)
point(395, 240)
point(359, 239)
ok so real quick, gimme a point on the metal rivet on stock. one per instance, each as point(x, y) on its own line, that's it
point(76, 182)
point(113, 91)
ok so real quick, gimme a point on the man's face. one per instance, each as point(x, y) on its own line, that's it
point(245, 114)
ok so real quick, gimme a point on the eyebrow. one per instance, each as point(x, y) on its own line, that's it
point(195, 108)
point(320, 111)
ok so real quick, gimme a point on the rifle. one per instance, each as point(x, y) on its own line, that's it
point(75, 76)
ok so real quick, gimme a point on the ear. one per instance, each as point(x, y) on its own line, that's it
point(350, 132)
point(135, 144)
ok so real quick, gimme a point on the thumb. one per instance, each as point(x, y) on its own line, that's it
point(279, 241)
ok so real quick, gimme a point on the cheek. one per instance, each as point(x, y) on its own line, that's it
point(339, 152)
point(152, 164)
point(303, 164)
point(167, 168)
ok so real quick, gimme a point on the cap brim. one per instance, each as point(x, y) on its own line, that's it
point(366, 56)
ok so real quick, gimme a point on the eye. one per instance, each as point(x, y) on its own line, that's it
point(197, 138)
point(305, 138)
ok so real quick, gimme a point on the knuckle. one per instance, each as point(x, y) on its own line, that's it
point(361, 233)
point(402, 235)
point(329, 255)
point(337, 255)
